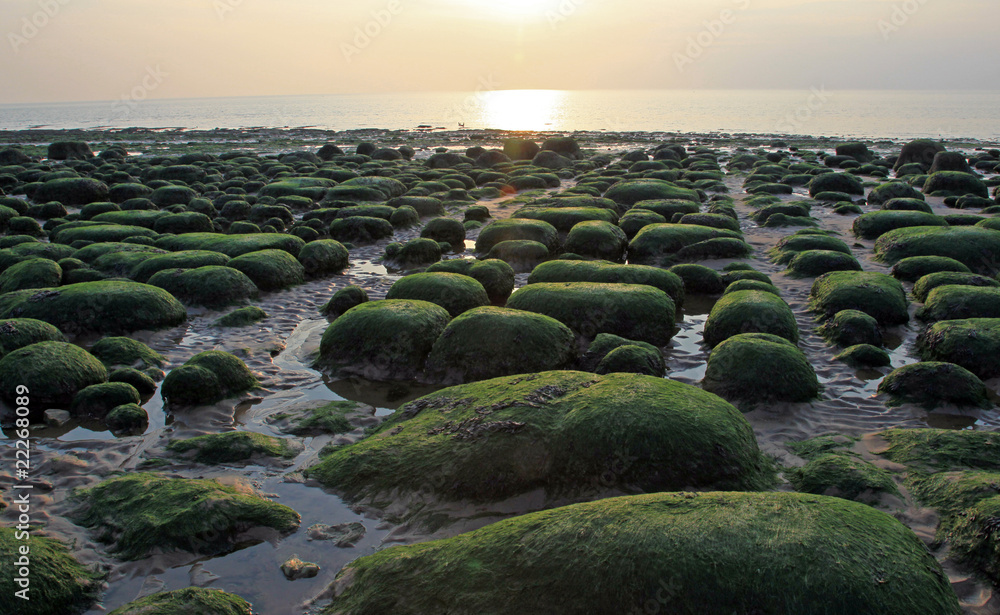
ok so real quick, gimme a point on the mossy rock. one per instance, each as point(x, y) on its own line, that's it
point(738, 285)
point(489, 342)
point(233, 446)
point(565, 218)
point(971, 343)
point(517, 230)
point(787, 249)
point(864, 355)
point(893, 190)
point(874, 224)
point(206, 378)
point(750, 311)
point(955, 183)
point(53, 372)
point(343, 300)
point(185, 259)
point(956, 302)
point(29, 274)
point(559, 430)
point(496, 276)
point(445, 230)
point(329, 419)
point(243, 317)
point(360, 229)
point(96, 307)
point(426, 206)
point(876, 294)
point(632, 311)
point(913, 268)
point(601, 240)
point(124, 351)
point(682, 552)
point(917, 204)
point(232, 245)
point(413, 253)
point(140, 381)
point(633, 359)
point(382, 340)
point(454, 292)
point(629, 192)
point(812, 263)
point(668, 208)
point(59, 583)
point(72, 191)
point(404, 217)
point(139, 513)
point(759, 367)
point(973, 246)
point(194, 600)
point(609, 273)
point(930, 281)
point(931, 384)
point(324, 257)
point(635, 220)
point(17, 333)
point(843, 476)
point(943, 449)
point(521, 255)
point(127, 419)
point(270, 270)
point(97, 400)
point(212, 287)
point(717, 248)
point(836, 182)
point(659, 244)
point(850, 328)
point(699, 279)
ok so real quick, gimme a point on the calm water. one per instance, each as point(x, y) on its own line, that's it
point(872, 114)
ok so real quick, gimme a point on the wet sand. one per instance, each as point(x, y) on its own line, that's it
point(281, 347)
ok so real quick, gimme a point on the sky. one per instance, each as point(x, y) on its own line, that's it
point(74, 50)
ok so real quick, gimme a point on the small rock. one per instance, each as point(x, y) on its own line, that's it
point(345, 535)
point(57, 418)
point(295, 569)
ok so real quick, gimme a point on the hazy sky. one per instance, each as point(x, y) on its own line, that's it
point(106, 49)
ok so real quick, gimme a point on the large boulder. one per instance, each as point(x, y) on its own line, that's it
point(195, 600)
point(955, 183)
point(496, 276)
point(72, 191)
point(660, 244)
point(921, 151)
point(930, 281)
point(212, 286)
point(51, 372)
point(69, 150)
point(971, 343)
point(932, 383)
point(758, 367)
point(515, 229)
point(957, 302)
point(874, 224)
point(270, 269)
point(55, 581)
point(973, 246)
point(750, 311)
point(206, 378)
point(836, 182)
point(876, 294)
point(454, 292)
point(609, 273)
point(629, 192)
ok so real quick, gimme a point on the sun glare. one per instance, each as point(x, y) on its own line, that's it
point(523, 8)
point(522, 109)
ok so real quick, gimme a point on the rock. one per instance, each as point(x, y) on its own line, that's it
point(850, 328)
point(404, 217)
point(59, 583)
point(857, 151)
point(843, 476)
point(334, 418)
point(446, 230)
point(242, 317)
point(609, 273)
point(53, 372)
point(491, 158)
point(232, 245)
point(517, 229)
point(913, 268)
point(668, 208)
point(629, 192)
point(185, 259)
point(933, 383)
point(836, 182)
point(344, 535)
point(875, 294)
point(955, 183)
point(448, 160)
point(974, 247)
point(97, 400)
point(929, 282)
point(565, 218)
point(140, 381)
point(295, 569)
point(759, 367)
point(343, 300)
point(123, 351)
point(521, 255)
point(30, 274)
point(520, 149)
point(425, 206)
point(489, 342)
point(127, 419)
point(659, 244)
point(233, 446)
point(699, 279)
point(191, 600)
point(496, 276)
point(413, 253)
point(920, 151)
point(383, 340)
point(632, 311)
point(949, 161)
point(635, 220)
point(454, 292)
point(971, 343)
point(57, 418)
point(72, 191)
point(864, 355)
point(13, 156)
point(206, 378)
point(874, 224)
point(211, 286)
point(750, 311)
point(633, 359)
point(682, 552)
point(812, 263)
point(270, 270)
point(329, 152)
point(360, 229)
point(69, 150)
point(17, 333)
point(557, 430)
point(907, 205)
point(956, 302)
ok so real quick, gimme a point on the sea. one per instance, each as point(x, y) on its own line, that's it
point(817, 112)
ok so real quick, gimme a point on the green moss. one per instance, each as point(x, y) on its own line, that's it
point(343, 300)
point(231, 245)
point(955, 183)
point(72, 191)
point(630, 192)
point(942, 449)
point(127, 419)
point(956, 302)
point(929, 282)
point(382, 340)
point(98, 399)
point(668, 207)
point(360, 229)
point(636, 219)
point(632, 311)
point(972, 343)
point(324, 257)
point(759, 367)
point(659, 244)
point(609, 273)
point(136, 217)
point(194, 600)
point(564, 431)
point(893, 190)
point(53, 372)
point(489, 342)
point(330, 419)
point(717, 248)
point(186, 259)
point(413, 253)
point(864, 355)
point(595, 239)
point(270, 270)
point(789, 247)
point(750, 311)
point(973, 246)
point(820, 445)
point(913, 268)
point(454, 292)
point(874, 224)
point(20, 332)
point(140, 381)
point(836, 182)
point(206, 378)
point(29, 274)
point(851, 327)
point(699, 279)
point(517, 230)
point(58, 582)
point(842, 476)
point(812, 263)
point(232, 446)
point(521, 255)
point(876, 294)
point(931, 384)
point(739, 285)
point(128, 352)
point(565, 218)
point(445, 230)
point(633, 359)
point(211, 286)
point(242, 317)
point(139, 513)
point(99, 233)
point(96, 307)
point(683, 553)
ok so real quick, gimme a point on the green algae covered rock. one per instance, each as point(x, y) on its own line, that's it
point(270, 269)
point(759, 367)
point(750, 311)
point(206, 378)
point(517, 230)
point(97, 400)
point(232, 245)
point(943, 449)
point(609, 273)
point(864, 355)
point(913, 268)
point(812, 263)
point(659, 244)
point(842, 476)
point(233, 446)
point(954, 302)
point(789, 247)
point(53, 373)
point(139, 513)
point(633, 311)
point(242, 317)
point(559, 430)
point(496, 276)
point(127, 419)
point(699, 279)
point(629, 192)
point(876, 294)
point(521, 254)
point(186, 259)
point(324, 257)
point(58, 583)
point(211, 286)
point(687, 553)
point(565, 218)
point(595, 239)
point(955, 183)
point(929, 282)
point(382, 340)
point(633, 359)
point(931, 384)
point(124, 351)
point(31, 273)
point(973, 343)
point(836, 182)
point(20, 332)
point(873, 225)
point(454, 292)
point(343, 300)
point(851, 327)
point(97, 307)
point(489, 342)
point(194, 600)
point(972, 246)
